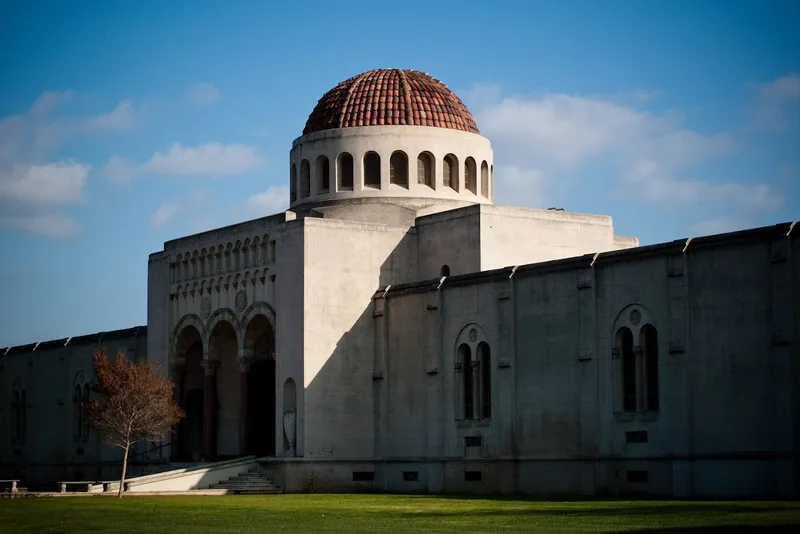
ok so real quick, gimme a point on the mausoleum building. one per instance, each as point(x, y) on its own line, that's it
point(394, 329)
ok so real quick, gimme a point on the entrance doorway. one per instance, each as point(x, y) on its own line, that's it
point(261, 408)
point(192, 439)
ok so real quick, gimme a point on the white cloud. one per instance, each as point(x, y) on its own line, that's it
point(121, 117)
point(557, 135)
point(46, 224)
point(211, 158)
point(49, 100)
point(273, 200)
point(119, 170)
point(31, 194)
point(163, 214)
point(44, 185)
point(529, 184)
point(193, 205)
point(32, 188)
point(776, 106)
point(203, 93)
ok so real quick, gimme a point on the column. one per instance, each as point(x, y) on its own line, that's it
point(243, 361)
point(177, 370)
point(641, 392)
point(477, 408)
point(210, 409)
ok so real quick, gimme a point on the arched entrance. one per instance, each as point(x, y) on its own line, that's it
point(188, 379)
point(261, 408)
point(192, 438)
point(260, 436)
point(221, 399)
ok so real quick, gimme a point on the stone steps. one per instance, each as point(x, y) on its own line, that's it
point(249, 483)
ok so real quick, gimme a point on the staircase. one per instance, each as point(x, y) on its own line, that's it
point(251, 482)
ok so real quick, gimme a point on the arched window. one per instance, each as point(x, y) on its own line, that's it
point(323, 174)
point(80, 398)
point(471, 176)
point(246, 253)
point(648, 339)
point(345, 171)
point(450, 171)
point(465, 355)
point(425, 169)
point(485, 358)
point(474, 364)
point(19, 409)
point(293, 183)
point(636, 361)
point(484, 180)
point(372, 170)
point(305, 179)
point(398, 169)
point(445, 271)
point(625, 347)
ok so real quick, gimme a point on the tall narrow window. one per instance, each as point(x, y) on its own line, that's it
point(485, 357)
point(649, 342)
point(484, 180)
point(469, 401)
point(398, 169)
point(305, 179)
point(78, 410)
point(16, 412)
point(323, 174)
point(372, 170)
point(425, 170)
point(625, 345)
point(471, 176)
point(450, 171)
point(293, 183)
point(474, 385)
point(345, 171)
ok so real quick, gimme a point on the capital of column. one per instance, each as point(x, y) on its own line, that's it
point(244, 363)
point(209, 366)
point(637, 351)
point(176, 366)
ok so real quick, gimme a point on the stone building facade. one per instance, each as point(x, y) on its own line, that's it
point(395, 329)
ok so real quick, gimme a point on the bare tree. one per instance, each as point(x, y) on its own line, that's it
point(131, 402)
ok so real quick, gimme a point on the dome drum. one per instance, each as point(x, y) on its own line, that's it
point(391, 161)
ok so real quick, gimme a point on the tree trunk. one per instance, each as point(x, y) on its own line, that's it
point(124, 468)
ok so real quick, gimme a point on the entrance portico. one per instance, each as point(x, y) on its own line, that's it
point(224, 373)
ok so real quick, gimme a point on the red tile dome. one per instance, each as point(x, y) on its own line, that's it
point(387, 97)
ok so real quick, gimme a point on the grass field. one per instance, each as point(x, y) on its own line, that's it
point(387, 513)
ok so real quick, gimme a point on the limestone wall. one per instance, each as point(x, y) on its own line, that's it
point(51, 447)
point(724, 309)
point(343, 264)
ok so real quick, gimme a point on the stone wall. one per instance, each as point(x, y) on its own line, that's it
point(724, 309)
point(51, 446)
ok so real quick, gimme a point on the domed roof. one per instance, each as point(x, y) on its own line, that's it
point(390, 96)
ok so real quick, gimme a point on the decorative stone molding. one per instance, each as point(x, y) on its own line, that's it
point(585, 356)
point(210, 366)
point(243, 362)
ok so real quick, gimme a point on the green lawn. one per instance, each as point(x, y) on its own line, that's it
point(386, 513)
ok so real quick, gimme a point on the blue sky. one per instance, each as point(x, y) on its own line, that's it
point(126, 124)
